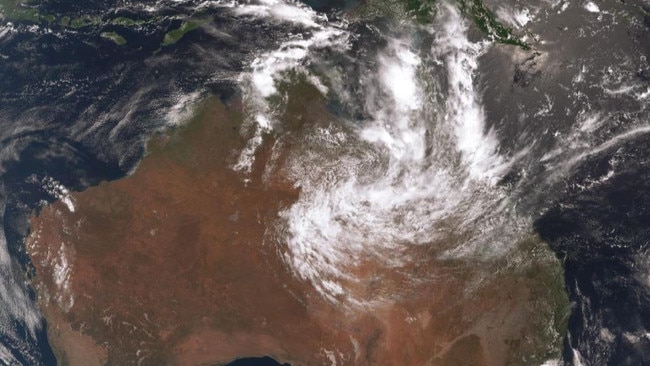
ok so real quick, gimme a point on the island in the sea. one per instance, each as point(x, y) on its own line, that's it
point(173, 265)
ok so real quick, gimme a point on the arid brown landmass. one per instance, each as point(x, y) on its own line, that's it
point(172, 266)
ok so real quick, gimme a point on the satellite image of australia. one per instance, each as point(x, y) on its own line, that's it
point(325, 182)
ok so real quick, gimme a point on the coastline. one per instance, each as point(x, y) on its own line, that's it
point(173, 264)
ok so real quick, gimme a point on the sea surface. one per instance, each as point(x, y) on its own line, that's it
point(552, 141)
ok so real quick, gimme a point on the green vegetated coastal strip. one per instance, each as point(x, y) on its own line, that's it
point(486, 21)
point(424, 11)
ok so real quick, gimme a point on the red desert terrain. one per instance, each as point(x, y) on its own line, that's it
point(178, 264)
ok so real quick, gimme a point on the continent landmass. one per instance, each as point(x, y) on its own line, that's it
point(178, 264)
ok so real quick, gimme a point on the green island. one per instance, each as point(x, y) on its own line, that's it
point(126, 22)
point(116, 38)
point(175, 35)
point(85, 21)
point(19, 10)
point(29, 12)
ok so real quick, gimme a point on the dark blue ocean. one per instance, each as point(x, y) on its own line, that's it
point(76, 108)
